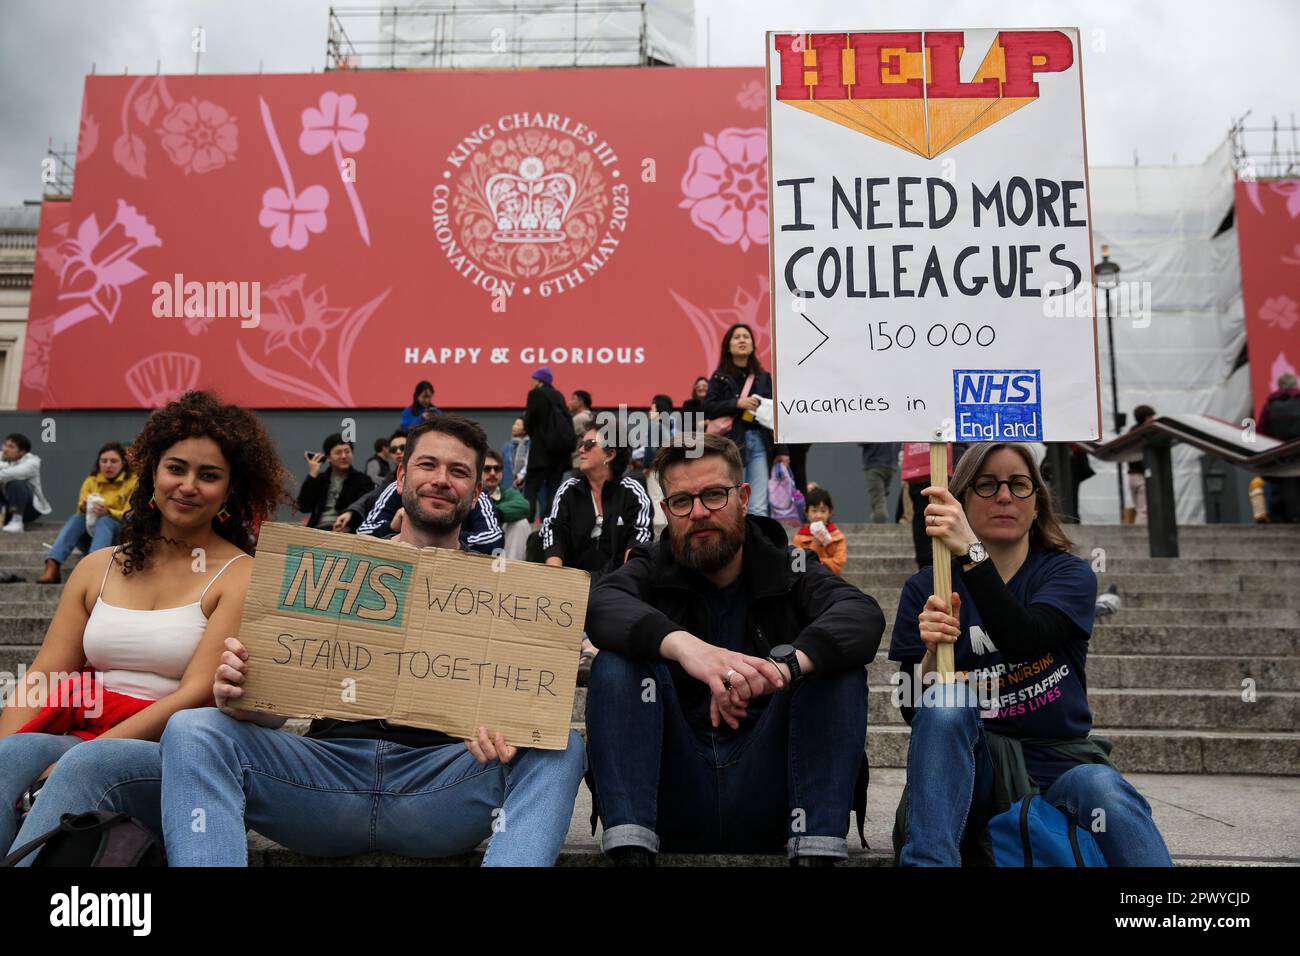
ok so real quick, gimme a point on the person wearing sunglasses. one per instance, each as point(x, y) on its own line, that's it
point(1017, 719)
point(727, 708)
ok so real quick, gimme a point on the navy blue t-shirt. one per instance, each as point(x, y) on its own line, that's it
point(1046, 696)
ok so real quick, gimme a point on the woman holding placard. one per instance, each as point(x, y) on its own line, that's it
point(733, 397)
point(1017, 718)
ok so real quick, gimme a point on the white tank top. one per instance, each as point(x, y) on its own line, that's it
point(144, 653)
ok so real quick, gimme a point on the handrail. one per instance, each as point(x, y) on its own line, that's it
point(1233, 443)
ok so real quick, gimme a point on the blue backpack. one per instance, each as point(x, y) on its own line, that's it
point(1035, 833)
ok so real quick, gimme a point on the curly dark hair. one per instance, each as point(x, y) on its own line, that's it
point(257, 479)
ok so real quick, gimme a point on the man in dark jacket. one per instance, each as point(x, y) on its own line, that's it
point(550, 445)
point(1280, 418)
point(727, 708)
point(331, 483)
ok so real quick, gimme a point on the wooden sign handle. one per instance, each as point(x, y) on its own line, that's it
point(944, 657)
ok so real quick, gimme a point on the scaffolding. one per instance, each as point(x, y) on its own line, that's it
point(58, 171)
point(490, 34)
point(1265, 152)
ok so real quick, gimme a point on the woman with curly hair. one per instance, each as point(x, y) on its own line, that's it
point(139, 629)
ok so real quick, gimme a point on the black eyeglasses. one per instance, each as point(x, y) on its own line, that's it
point(493, 468)
point(1022, 486)
point(394, 449)
point(715, 499)
point(587, 444)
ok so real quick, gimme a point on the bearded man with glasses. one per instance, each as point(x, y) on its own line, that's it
point(727, 710)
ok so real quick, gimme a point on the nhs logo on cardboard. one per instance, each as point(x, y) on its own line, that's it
point(997, 404)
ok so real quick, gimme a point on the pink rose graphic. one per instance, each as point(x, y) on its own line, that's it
point(1279, 312)
point(751, 96)
point(725, 187)
point(97, 263)
point(199, 135)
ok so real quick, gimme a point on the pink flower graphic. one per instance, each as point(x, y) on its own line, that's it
point(301, 324)
point(162, 378)
point(751, 96)
point(199, 135)
point(290, 215)
point(87, 135)
point(1279, 312)
point(337, 124)
point(711, 323)
point(725, 186)
point(96, 264)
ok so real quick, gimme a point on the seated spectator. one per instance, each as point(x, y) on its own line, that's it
point(421, 408)
point(820, 535)
point(145, 619)
point(380, 465)
point(20, 483)
point(103, 501)
point(754, 737)
point(353, 786)
point(329, 486)
point(1022, 614)
point(694, 406)
point(514, 456)
point(1280, 418)
point(511, 506)
point(480, 531)
point(349, 521)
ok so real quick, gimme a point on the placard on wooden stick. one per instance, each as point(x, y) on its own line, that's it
point(356, 627)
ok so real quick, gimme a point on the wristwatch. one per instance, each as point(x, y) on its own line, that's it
point(975, 553)
point(785, 654)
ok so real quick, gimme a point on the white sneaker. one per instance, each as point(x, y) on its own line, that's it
point(15, 524)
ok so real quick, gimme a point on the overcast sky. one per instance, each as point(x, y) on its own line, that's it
point(1163, 78)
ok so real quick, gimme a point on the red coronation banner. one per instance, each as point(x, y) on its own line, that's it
point(327, 240)
point(1268, 232)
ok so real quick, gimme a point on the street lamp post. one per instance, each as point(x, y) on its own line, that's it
point(1106, 276)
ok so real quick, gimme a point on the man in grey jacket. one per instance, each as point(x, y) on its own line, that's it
point(20, 483)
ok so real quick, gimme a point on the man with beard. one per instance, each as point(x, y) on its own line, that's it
point(355, 786)
point(727, 710)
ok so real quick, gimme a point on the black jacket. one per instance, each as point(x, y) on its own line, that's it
point(721, 401)
point(566, 532)
point(311, 498)
point(540, 427)
point(633, 609)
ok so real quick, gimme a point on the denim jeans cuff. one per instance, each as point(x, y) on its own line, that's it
point(837, 847)
point(630, 834)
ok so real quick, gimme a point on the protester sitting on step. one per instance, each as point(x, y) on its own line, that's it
point(103, 501)
point(20, 483)
point(727, 708)
point(354, 786)
point(1022, 614)
point(144, 622)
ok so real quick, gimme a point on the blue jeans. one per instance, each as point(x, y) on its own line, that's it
point(222, 776)
point(102, 774)
point(950, 790)
point(74, 535)
point(785, 780)
point(754, 452)
point(23, 758)
point(18, 497)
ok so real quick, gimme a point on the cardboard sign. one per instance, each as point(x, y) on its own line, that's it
point(931, 242)
point(356, 627)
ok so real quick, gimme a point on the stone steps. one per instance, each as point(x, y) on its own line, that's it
point(1261, 587)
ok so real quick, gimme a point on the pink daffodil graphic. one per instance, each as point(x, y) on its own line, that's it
point(97, 263)
point(289, 214)
point(725, 187)
point(338, 126)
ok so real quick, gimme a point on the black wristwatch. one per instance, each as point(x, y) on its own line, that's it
point(785, 654)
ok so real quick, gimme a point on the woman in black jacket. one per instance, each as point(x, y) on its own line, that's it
point(736, 364)
point(327, 491)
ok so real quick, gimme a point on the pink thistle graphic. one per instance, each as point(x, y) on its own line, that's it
point(751, 96)
point(1279, 312)
point(36, 359)
point(289, 215)
point(337, 124)
point(96, 264)
point(711, 323)
point(198, 135)
point(301, 324)
point(725, 185)
point(162, 378)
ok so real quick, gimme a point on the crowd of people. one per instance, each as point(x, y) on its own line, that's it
point(751, 738)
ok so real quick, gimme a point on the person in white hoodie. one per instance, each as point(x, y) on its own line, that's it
point(20, 483)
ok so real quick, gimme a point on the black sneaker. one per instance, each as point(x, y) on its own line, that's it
point(631, 856)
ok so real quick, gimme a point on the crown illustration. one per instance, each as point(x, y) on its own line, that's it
point(530, 207)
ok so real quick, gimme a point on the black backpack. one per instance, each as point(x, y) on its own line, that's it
point(1284, 417)
point(94, 838)
point(559, 437)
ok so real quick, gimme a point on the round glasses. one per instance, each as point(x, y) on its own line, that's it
point(715, 499)
point(1021, 486)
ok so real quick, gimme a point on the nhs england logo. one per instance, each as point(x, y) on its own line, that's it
point(997, 404)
